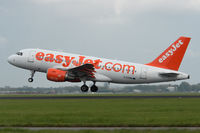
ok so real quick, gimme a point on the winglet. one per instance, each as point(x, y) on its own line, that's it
point(172, 57)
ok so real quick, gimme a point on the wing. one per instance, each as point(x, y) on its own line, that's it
point(86, 71)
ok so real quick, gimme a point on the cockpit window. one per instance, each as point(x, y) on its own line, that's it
point(19, 53)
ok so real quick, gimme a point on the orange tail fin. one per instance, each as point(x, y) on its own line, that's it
point(172, 57)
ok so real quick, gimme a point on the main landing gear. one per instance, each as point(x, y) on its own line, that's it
point(94, 88)
point(31, 78)
point(85, 88)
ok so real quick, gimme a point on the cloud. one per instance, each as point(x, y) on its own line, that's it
point(138, 6)
point(3, 41)
point(47, 1)
point(193, 53)
point(194, 5)
point(115, 11)
point(3, 10)
point(122, 5)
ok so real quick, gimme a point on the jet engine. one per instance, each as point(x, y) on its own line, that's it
point(60, 76)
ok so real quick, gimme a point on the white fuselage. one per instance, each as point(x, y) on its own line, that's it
point(106, 70)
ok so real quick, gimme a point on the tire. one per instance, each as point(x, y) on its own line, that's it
point(30, 80)
point(84, 88)
point(94, 88)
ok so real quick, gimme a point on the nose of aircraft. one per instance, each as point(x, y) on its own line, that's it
point(11, 59)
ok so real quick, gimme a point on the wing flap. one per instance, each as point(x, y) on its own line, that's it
point(85, 70)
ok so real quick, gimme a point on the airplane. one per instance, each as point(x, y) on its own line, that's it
point(61, 66)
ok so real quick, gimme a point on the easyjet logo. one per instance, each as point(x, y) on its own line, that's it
point(66, 61)
point(171, 51)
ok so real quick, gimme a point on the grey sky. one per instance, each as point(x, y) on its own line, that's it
point(130, 30)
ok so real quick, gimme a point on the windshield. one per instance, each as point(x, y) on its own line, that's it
point(19, 53)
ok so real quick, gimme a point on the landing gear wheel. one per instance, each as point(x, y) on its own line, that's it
point(94, 88)
point(84, 88)
point(30, 80)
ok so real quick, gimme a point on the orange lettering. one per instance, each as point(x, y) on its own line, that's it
point(107, 68)
point(39, 56)
point(78, 63)
point(117, 70)
point(128, 69)
point(49, 57)
point(81, 58)
point(68, 61)
point(88, 61)
point(97, 62)
point(58, 59)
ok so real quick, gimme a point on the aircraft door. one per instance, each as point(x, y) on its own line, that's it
point(30, 61)
point(31, 57)
point(143, 74)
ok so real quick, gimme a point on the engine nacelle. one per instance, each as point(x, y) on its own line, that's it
point(60, 76)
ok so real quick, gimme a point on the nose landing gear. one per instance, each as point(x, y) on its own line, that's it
point(31, 78)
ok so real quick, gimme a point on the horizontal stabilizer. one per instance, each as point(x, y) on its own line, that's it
point(169, 74)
